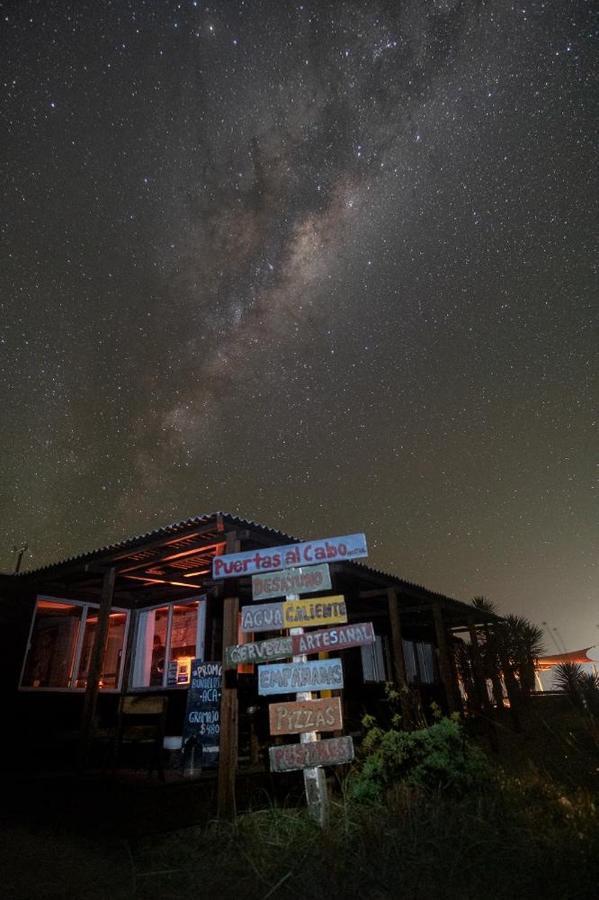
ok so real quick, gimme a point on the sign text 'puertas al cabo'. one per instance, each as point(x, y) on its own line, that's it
point(287, 678)
point(308, 553)
point(303, 580)
point(323, 714)
point(291, 757)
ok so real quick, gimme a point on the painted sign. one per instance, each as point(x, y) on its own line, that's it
point(291, 757)
point(315, 611)
point(303, 580)
point(269, 559)
point(306, 715)
point(258, 651)
point(264, 617)
point(285, 678)
point(333, 638)
point(201, 728)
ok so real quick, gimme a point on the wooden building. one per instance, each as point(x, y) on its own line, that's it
point(129, 618)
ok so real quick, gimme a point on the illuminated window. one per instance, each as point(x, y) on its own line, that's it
point(167, 639)
point(61, 643)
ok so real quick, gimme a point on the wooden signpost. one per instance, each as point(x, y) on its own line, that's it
point(305, 570)
point(310, 715)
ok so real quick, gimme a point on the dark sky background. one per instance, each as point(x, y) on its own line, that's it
point(328, 265)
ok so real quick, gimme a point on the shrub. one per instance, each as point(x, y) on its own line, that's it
point(432, 758)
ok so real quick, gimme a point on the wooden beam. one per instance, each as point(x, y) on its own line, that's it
point(95, 667)
point(399, 662)
point(227, 760)
point(445, 667)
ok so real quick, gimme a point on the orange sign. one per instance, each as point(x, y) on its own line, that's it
point(306, 715)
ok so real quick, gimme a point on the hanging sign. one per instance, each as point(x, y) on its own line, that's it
point(265, 617)
point(303, 580)
point(315, 611)
point(291, 757)
point(306, 715)
point(269, 559)
point(285, 678)
point(201, 728)
point(340, 638)
point(258, 651)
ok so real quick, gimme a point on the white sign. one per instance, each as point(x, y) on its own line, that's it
point(303, 580)
point(264, 617)
point(272, 559)
point(286, 678)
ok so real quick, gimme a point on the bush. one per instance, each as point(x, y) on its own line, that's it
point(434, 758)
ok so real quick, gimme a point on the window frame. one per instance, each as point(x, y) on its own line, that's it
point(71, 687)
point(202, 600)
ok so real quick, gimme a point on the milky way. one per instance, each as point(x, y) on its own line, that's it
point(328, 265)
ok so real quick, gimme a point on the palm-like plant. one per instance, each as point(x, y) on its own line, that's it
point(522, 644)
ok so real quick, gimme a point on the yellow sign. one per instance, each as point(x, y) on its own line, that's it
point(316, 611)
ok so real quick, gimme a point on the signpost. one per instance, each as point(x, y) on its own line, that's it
point(305, 569)
point(303, 580)
point(272, 559)
point(310, 715)
point(283, 678)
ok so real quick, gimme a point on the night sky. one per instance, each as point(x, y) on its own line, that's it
point(331, 266)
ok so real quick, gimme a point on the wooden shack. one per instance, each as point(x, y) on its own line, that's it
point(128, 619)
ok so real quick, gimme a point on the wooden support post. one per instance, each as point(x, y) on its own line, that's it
point(445, 667)
point(399, 662)
point(95, 668)
point(227, 760)
point(480, 681)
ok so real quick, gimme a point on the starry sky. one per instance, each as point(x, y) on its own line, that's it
point(331, 266)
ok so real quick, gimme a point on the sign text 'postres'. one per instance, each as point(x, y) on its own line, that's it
point(271, 559)
point(258, 651)
point(302, 580)
point(291, 757)
point(287, 678)
point(323, 714)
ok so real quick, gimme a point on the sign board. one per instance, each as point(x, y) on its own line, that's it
point(315, 611)
point(306, 715)
point(340, 638)
point(308, 553)
point(285, 678)
point(258, 651)
point(201, 728)
point(291, 757)
point(303, 580)
point(263, 617)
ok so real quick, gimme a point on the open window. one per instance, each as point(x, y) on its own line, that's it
point(167, 638)
point(60, 646)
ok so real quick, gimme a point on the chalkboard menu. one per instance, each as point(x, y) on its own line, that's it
point(201, 729)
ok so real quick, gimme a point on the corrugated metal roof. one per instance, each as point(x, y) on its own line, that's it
point(227, 519)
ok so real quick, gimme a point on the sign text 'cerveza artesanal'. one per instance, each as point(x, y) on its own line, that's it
point(323, 714)
point(340, 638)
point(291, 757)
point(270, 559)
point(303, 580)
point(286, 678)
point(294, 613)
